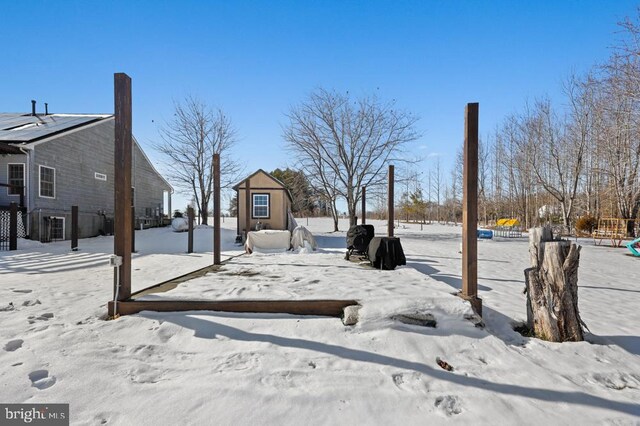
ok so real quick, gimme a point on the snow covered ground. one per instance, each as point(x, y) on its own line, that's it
point(220, 368)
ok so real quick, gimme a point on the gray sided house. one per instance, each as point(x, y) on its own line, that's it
point(60, 160)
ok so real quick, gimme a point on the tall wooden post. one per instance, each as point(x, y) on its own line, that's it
point(247, 208)
point(470, 210)
point(13, 226)
point(190, 218)
point(391, 196)
point(133, 229)
point(216, 209)
point(122, 183)
point(364, 205)
point(74, 228)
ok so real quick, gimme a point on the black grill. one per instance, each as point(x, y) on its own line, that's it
point(358, 239)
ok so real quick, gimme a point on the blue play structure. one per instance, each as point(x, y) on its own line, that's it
point(484, 234)
point(634, 247)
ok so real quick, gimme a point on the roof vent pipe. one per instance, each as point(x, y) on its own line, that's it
point(46, 108)
point(33, 107)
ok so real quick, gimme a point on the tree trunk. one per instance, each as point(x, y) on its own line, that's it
point(334, 215)
point(352, 214)
point(552, 288)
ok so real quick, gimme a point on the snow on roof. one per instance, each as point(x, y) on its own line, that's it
point(25, 128)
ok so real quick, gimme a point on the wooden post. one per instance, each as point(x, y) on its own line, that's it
point(470, 210)
point(238, 232)
point(247, 208)
point(13, 226)
point(216, 209)
point(364, 205)
point(390, 196)
point(122, 183)
point(74, 228)
point(133, 230)
point(190, 218)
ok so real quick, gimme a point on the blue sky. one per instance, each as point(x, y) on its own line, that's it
point(257, 59)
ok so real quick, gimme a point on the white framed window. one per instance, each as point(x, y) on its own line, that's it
point(260, 206)
point(100, 176)
point(47, 182)
point(15, 177)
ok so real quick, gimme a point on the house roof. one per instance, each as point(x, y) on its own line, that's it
point(237, 186)
point(6, 148)
point(26, 128)
point(19, 129)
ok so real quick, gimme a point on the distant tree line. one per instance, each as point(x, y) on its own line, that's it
point(555, 163)
point(547, 163)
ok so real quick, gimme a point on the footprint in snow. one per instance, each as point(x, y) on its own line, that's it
point(13, 345)
point(41, 379)
point(44, 317)
point(410, 382)
point(448, 405)
point(616, 381)
point(398, 379)
point(8, 307)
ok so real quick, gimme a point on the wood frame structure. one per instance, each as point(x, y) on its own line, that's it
point(470, 209)
point(74, 228)
point(124, 302)
point(364, 206)
point(390, 199)
point(123, 217)
point(216, 209)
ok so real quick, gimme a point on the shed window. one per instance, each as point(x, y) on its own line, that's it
point(15, 173)
point(260, 205)
point(47, 182)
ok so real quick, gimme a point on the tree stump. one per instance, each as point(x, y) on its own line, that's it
point(552, 288)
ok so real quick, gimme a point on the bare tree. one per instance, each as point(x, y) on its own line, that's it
point(347, 143)
point(436, 179)
point(188, 142)
point(557, 149)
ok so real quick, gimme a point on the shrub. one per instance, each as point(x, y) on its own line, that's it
point(586, 224)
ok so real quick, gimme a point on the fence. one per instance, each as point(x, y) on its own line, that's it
point(11, 228)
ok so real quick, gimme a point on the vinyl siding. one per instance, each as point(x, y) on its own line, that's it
point(76, 158)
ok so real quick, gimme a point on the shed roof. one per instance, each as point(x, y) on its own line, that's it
point(26, 128)
point(278, 182)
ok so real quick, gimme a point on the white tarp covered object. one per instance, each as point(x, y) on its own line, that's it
point(180, 224)
point(292, 224)
point(303, 238)
point(268, 241)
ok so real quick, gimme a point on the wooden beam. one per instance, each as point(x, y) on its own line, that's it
point(470, 209)
point(364, 205)
point(133, 225)
point(247, 208)
point(174, 282)
point(13, 226)
point(122, 183)
point(190, 219)
point(74, 228)
point(390, 206)
point(330, 308)
point(216, 209)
